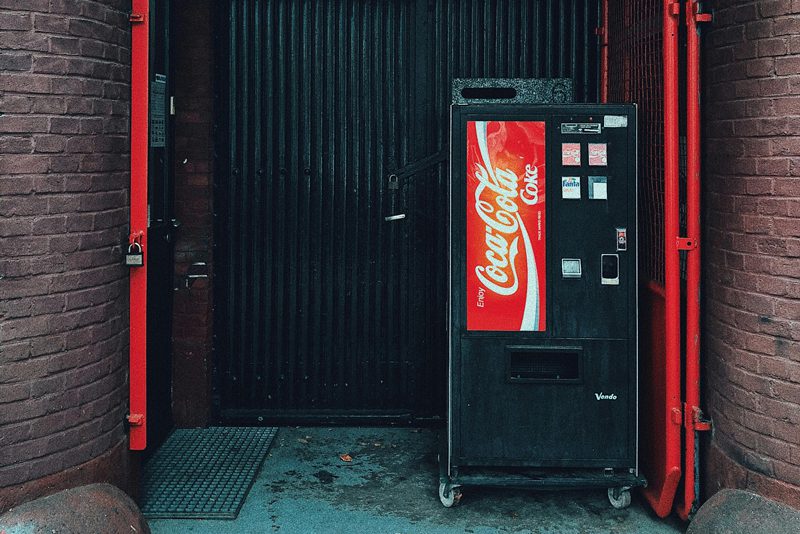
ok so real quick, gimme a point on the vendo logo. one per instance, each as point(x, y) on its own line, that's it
point(603, 396)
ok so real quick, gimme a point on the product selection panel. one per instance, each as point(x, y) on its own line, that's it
point(593, 218)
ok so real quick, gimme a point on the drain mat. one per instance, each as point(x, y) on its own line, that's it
point(204, 473)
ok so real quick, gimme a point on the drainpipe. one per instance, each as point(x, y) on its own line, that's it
point(692, 415)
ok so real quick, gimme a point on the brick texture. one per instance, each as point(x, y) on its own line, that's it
point(192, 319)
point(64, 117)
point(752, 246)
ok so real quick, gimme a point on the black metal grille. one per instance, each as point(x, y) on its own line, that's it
point(543, 365)
point(321, 303)
point(204, 472)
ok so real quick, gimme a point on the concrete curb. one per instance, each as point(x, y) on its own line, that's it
point(741, 512)
point(96, 508)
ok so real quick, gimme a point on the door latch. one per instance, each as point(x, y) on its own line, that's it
point(195, 272)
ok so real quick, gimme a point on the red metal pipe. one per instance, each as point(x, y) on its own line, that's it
point(140, 58)
point(672, 281)
point(692, 259)
point(661, 498)
point(692, 414)
point(604, 52)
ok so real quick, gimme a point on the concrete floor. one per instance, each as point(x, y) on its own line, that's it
point(391, 487)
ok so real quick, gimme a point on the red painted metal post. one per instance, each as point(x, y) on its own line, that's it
point(692, 414)
point(661, 497)
point(604, 52)
point(693, 260)
point(672, 280)
point(140, 57)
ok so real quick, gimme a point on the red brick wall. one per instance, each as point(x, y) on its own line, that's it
point(192, 334)
point(64, 94)
point(752, 247)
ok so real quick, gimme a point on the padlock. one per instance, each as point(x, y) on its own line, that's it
point(134, 257)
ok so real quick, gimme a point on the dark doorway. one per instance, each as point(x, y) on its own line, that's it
point(161, 232)
point(331, 190)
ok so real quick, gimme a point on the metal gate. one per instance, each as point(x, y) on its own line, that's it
point(646, 49)
point(331, 237)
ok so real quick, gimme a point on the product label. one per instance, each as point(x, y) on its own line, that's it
point(598, 154)
point(615, 121)
point(598, 188)
point(571, 187)
point(571, 154)
point(505, 263)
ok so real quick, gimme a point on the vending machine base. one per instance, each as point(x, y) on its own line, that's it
point(618, 482)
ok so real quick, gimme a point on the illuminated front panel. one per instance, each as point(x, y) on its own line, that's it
point(506, 238)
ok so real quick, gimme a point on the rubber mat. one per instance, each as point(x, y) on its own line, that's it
point(204, 473)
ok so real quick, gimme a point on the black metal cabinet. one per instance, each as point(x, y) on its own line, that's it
point(559, 393)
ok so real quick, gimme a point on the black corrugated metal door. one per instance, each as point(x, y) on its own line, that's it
point(331, 275)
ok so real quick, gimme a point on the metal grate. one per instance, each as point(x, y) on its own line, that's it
point(204, 473)
point(544, 365)
point(636, 75)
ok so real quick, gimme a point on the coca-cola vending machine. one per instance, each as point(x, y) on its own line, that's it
point(543, 299)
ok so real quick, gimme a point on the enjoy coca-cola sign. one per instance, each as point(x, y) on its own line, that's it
point(506, 226)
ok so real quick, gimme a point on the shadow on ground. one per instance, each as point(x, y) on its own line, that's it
point(390, 486)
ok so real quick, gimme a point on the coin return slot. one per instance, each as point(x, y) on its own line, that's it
point(609, 269)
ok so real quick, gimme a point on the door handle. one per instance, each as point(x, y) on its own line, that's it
point(196, 271)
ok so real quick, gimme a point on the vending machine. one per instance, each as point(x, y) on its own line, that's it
point(543, 299)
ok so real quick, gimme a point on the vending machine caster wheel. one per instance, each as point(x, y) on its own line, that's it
point(619, 497)
point(449, 498)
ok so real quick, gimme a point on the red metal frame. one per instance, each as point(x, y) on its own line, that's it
point(661, 496)
point(660, 457)
point(693, 419)
point(140, 60)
